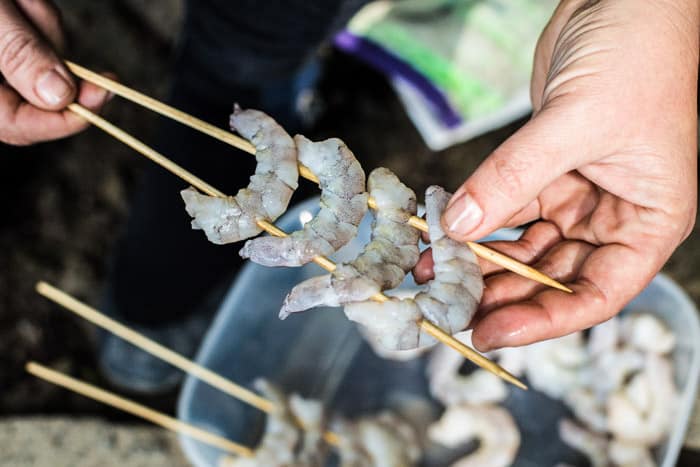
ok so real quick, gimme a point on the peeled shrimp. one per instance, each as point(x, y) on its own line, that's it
point(449, 302)
point(610, 370)
point(284, 443)
point(385, 260)
point(647, 333)
point(587, 408)
point(310, 415)
point(629, 454)
point(554, 366)
point(492, 426)
point(604, 337)
point(593, 445)
point(343, 205)
point(384, 440)
point(450, 387)
point(228, 220)
point(513, 359)
point(644, 410)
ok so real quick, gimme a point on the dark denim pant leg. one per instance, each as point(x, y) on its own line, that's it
point(246, 51)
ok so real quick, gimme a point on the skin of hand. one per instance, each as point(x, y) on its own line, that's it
point(37, 86)
point(606, 169)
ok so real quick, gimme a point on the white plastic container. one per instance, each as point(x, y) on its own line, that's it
point(320, 354)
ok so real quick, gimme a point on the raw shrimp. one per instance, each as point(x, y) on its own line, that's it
point(390, 354)
point(284, 443)
point(554, 366)
point(343, 205)
point(629, 454)
point(642, 412)
point(450, 387)
point(647, 333)
point(610, 370)
point(384, 440)
point(604, 337)
point(449, 301)
point(234, 218)
point(492, 426)
point(593, 445)
point(311, 417)
point(513, 359)
point(385, 260)
point(588, 408)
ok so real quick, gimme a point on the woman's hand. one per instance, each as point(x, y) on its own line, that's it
point(606, 166)
point(37, 86)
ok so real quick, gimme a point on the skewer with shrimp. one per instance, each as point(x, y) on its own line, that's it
point(222, 214)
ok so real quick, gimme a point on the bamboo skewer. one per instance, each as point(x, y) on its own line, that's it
point(139, 340)
point(148, 345)
point(322, 261)
point(240, 143)
point(138, 410)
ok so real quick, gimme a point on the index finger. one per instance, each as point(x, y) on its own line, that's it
point(29, 64)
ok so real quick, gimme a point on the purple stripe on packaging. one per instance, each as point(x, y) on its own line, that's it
point(393, 66)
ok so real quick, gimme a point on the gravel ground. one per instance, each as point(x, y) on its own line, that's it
point(63, 204)
point(87, 442)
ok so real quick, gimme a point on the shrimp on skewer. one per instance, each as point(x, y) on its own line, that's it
point(284, 443)
point(383, 440)
point(493, 426)
point(343, 205)
point(231, 219)
point(383, 263)
point(449, 302)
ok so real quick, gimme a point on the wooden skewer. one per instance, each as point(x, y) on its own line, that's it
point(322, 261)
point(138, 410)
point(160, 108)
point(145, 150)
point(240, 143)
point(139, 340)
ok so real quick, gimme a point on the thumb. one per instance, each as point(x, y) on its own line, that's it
point(513, 176)
point(29, 65)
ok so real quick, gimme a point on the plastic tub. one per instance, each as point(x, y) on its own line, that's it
point(320, 354)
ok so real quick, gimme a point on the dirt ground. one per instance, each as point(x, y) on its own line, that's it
point(64, 203)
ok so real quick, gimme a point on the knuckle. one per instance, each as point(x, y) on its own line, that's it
point(509, 173)
point(17, 49)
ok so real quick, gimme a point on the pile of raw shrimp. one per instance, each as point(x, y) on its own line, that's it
point(618, 383)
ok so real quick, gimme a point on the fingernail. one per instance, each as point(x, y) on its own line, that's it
point(464, 215)
point(52, 88)
point(509, 339)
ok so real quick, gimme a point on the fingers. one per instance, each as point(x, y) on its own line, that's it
point(21, 123)
point(511, 178)
point(562, 263)
point(610, 277)
point(423, 270)
point(44, 15)
point(534, 243)
point(28, 63)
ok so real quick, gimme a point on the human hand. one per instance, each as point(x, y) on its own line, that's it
point(37, 86)
point(606, 166)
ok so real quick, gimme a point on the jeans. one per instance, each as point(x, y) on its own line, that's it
point(257, 53)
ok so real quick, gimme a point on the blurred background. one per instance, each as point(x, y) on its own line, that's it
point(64, 203)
